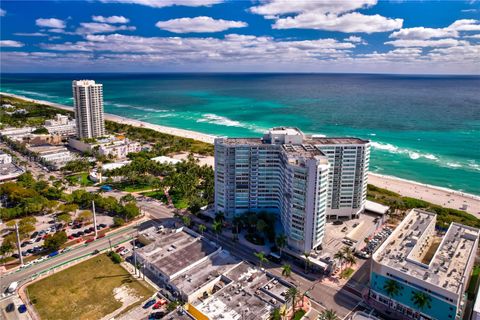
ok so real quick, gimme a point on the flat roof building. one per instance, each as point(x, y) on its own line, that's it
point(88, 107)
point(430, 272)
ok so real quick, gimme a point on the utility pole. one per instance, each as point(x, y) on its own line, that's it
point(18, 244)
point(135, 260)
point(94, 218)
point(110, 244)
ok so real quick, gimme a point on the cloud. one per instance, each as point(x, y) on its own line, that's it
point(473, 36)
point(32, 34)
point(232, 48)
point(2, 13)
point(167, 3)
point(355, 39)
point(198, 24)
point(469, 10)
point(94, 27)
point(50, 23)
point(465, 25)
point(422, 33)
point(10, 44)
point(449, 42)
point(112, 19)
point(331, 15)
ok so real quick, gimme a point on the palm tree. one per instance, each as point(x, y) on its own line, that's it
point(275, 315)
point(286, 270)
point(340, 257)
point(392, 288)
point(217, 228)
point(186, 221)
point(219, 216)
point(328, 315)
point(351, 260)
point(281, 242)
point(421, 300)
point(202, 228)
point(307, 260)
point(261, 257)
point(292, 294)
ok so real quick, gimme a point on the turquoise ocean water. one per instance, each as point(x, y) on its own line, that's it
point(422, 128)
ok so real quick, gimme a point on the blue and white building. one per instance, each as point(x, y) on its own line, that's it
point(286, 172)
point(423, 264)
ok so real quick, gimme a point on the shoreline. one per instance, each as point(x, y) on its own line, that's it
point(435, 194)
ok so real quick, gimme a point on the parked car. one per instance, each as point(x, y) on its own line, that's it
point(149, 304)
point(24, 244)
point(34, 235)
point(90, 240)
point(156, 315)
point(71, 237)
point(120, 249)
point(10, 307)
point(124, 252)
point(337, 222)
point(22, 308)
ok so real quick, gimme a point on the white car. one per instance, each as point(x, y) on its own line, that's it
point(124, 252)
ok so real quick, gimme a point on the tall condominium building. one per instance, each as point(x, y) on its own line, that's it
point(287, 173)
point(88, 105)
point(417, 274)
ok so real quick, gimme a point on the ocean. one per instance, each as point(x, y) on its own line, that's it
point(422, 128)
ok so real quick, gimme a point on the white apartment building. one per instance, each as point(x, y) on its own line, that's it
point(61, 125)
point(88, 105)
point(421, 263)
point(108, 146)
point(280, 173)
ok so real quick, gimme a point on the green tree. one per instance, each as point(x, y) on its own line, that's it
point(186, 221)
point(64, 217)
point(421, 300)
point(261, 226)
point(287, 270)
point(116, 258)
point(128, 198)
point(85, 216)
point(202, 228)
point(292, 295)
point(217, 227)
point(26, 226)
point(55, 241)
point(41, 130)
point(118, 222)
point(275, 314)
point(328, 315)
point(130, 211)
point(261, 258)
point(281, 242)
point(172, 305)
point(340, 257)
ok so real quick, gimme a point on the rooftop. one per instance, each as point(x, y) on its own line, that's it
point(414, 249)
point(335, 140)
point(304, 150)
point(173, 250)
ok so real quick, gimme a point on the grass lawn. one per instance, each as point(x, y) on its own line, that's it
point(132, 187)
point(158, 194)
point(80, 178)
point(84, 291)
point(347, 273)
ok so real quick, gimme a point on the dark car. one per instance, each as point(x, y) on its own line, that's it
point(22, 308)
point(156, 315)
point(10, 307)
point(337, 222)
point(80, 233)
point(15, 255)
point(24, 244)
point(102, 225)
point(34, 235)
point(87, 231)
point(149, 304)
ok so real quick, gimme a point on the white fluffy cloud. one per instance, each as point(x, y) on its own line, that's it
point(331, 15)
point(199, 24)
point(466, 25)
point(167, 3)
point(473, 36)
point(10, 44)
point(2, 13)
point(112, 19)
point(95, 27)
point(448, 42)
point(422, 33)
point(32, 34)
point(50, 23)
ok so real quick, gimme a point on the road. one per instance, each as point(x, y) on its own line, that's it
point(24, 275)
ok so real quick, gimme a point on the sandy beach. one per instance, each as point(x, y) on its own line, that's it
point(437, 195)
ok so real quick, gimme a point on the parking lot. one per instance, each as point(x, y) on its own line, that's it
point(350, 233)
point(47, 225)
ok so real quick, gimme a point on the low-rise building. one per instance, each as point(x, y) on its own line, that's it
point(8, 170)
point(116, 147)
point(61, 125)
point(215, 284)
point(5, 158)
point(57, 156)
point(417, 274)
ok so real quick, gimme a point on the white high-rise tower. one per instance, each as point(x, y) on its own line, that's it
point(88, 104)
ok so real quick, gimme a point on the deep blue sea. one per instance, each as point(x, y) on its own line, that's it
point(422, 128)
